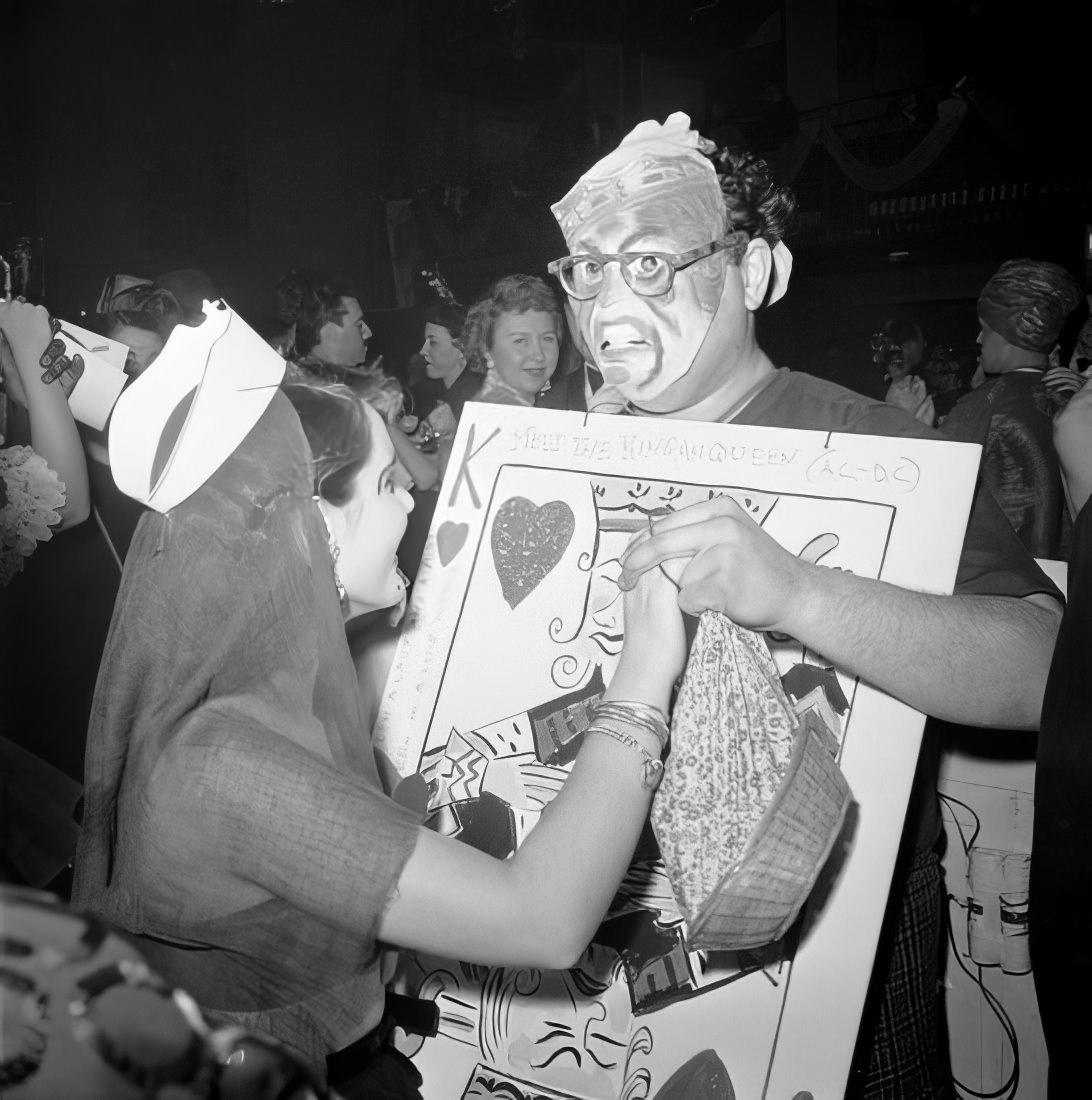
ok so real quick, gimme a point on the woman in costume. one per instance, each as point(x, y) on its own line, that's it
point(513, 336)
point(234, 817)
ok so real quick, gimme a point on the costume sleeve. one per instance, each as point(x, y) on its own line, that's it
point(287, 820)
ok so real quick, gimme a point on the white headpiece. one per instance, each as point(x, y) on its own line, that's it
point(180, 421)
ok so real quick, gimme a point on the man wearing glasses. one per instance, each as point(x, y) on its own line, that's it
point(672, 253)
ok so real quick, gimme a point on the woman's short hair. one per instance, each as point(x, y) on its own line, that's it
point(336, 427)
point(447, 315)
point(306, 301)
point(512, 294)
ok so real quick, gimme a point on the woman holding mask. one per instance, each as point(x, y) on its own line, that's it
point(235, 821)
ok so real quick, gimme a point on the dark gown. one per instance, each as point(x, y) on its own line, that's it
point(1061, 850)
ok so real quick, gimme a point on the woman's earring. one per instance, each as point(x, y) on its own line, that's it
point(335, 553)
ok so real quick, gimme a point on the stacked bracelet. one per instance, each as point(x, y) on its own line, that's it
point(652, 770)
point(641, 715)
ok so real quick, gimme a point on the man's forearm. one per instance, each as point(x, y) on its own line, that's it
point(978, 660)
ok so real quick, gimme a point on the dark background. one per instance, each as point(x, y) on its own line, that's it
point(373, 140)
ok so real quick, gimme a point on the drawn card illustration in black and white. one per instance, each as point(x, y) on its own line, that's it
point(513, 630)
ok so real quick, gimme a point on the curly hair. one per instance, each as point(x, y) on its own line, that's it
point(512, 294)
point(336, 426)
point(307, 301)
point(753, 201)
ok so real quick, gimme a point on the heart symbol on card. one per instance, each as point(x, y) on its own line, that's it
point(528, 540)
point(450, 539)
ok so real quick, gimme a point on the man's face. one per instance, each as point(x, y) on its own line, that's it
point(343, 341)
point(645, 346)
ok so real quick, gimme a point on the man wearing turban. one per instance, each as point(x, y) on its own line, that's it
point(672, 252)
point(1021, 311)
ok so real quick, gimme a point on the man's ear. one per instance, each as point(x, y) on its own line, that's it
point(756, 268)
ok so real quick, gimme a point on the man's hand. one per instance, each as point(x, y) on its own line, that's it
point(733, 567)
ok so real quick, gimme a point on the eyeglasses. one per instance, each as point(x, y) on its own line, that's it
point(649, 274)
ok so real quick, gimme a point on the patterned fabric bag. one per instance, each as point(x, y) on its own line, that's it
point(752, 800)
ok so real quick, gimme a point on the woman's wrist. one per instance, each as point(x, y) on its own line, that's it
point(646, 683)
point(636, 726)
point(633, 716)
point(642, 745)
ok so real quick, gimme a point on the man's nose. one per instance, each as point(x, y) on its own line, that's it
point(614, 284)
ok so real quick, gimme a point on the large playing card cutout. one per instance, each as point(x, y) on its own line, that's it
point(528, 542)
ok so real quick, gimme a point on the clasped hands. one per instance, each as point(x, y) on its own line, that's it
point(721, 560)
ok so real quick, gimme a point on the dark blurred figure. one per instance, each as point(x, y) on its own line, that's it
point(43, 491)
point(191, 288)
point(1061, 849)
point(1021, 311)
point(921, 378)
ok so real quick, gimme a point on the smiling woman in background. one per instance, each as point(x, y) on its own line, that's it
point(513, 334)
